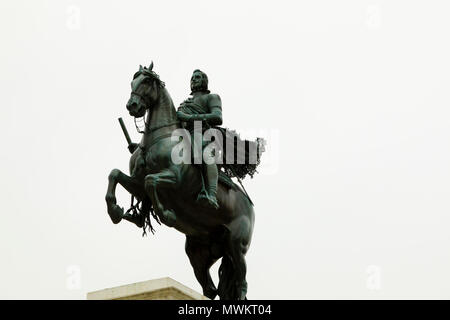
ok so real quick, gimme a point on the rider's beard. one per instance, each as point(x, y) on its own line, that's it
point(198, 87)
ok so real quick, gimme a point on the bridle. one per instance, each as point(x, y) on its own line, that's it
point(147, 106)
point(147, 103)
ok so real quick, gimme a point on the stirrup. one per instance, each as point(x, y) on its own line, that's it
point(208, 201)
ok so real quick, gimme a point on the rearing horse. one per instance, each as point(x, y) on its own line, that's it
point(155, 180)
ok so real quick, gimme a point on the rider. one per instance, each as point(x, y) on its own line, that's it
point(206, 107)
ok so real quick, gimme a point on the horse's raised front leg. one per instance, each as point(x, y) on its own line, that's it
point(131, 184)
point(154, 183)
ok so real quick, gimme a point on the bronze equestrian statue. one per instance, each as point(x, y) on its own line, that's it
point(199, 200)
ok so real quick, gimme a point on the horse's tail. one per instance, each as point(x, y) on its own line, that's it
point(144, 209)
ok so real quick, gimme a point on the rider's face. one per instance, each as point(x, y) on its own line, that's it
point(196, 81)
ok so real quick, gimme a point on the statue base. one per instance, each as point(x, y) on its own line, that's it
point(157, 289)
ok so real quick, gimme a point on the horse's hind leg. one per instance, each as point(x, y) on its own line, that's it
point(236, 245)
point(201, 260)
point(225, 278)
point(130, 184)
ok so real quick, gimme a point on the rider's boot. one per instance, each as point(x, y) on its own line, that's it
point(208, 197)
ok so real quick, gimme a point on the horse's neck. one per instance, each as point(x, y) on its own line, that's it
point(162, 113)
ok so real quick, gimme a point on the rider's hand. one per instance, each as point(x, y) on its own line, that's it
point(132, 147)
point(183, 116)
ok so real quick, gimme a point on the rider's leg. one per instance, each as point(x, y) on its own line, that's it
point(208, 197)
point(212, 176)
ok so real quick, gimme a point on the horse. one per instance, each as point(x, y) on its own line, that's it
point(171, 189)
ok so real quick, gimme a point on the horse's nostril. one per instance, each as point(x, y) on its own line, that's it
point(131, 105)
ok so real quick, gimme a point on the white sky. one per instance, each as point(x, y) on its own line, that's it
point(354, 202)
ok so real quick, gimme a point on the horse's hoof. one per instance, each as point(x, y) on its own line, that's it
point(136, 219)
point(115, 213)
point(210, 293)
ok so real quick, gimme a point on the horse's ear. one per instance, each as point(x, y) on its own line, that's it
point(140, 68)
point(150, 67)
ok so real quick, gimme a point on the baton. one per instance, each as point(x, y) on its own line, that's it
point(125, 132)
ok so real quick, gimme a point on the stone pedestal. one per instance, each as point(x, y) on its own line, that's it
point(158, 289)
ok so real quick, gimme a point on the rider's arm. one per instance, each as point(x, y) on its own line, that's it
point(214, 117)
point(183, 116)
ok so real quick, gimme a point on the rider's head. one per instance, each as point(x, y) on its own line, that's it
point(199, 81)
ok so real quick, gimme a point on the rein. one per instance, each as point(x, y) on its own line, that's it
point(144, 149)
point(141, 97)
point(149, 130)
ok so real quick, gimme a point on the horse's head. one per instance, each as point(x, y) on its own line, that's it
point(144, 91)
